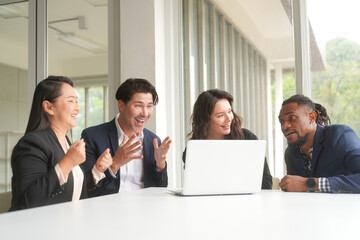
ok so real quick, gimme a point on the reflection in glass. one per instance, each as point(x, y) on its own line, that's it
point(13, 83)
point(77, 36)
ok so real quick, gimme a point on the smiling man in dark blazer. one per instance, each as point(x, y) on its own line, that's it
point(325, 159)
point(139, 157)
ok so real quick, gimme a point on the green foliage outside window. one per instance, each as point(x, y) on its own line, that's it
point(96, 110)
point(336, 88)
point(96, 106)
point(80, 120)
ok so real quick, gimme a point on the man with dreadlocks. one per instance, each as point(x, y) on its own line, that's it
point(318, 158)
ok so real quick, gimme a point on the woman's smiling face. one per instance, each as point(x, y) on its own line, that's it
point(220, 120)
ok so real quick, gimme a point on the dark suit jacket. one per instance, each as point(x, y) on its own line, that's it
point(336, 155)
point(34, 181)
point(267, 178)
point(103, 136)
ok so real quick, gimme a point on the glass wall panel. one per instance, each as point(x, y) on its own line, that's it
point(218, 51)
point(208, 71)
point(335, 64)
point(80, 121)
point(96, 105)
point(13, 83)
point(226, 56)
point(245, 79)
point(236, 71)
point(249, 42)
point(195, 41)
point(77, 38)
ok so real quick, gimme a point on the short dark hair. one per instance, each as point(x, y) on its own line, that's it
point(301, 100)
point(203, 108)
point(135, 85)
point(48, 89)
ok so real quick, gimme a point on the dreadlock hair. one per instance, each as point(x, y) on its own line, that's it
point(321, 115)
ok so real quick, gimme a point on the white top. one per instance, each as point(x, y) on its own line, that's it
point(132, 173)
point(78, 180)
point(78, 176)
point(154, 213)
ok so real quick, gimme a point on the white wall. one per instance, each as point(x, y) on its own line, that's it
point(13, 98)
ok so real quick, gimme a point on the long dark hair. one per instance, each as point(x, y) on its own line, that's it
point(48, 89)
point(203, 108)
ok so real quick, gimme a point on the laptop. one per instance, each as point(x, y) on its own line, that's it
point(216, 167)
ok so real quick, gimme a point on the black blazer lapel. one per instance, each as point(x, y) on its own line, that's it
point(317, 147)
point(146, 159)
point(113, 137)
point(114, 144)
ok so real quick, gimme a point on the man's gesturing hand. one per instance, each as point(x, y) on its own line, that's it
point(125, 153)
point(160, 152)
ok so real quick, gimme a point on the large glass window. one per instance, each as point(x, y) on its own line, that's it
point(92, 102)
point(13, 83)
point(209, 31)
point(336, 80)
point(208, 71)
point(245, 44)
point(77, 36)
point(77, 48)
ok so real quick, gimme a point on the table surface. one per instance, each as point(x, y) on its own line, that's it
point(155, 213)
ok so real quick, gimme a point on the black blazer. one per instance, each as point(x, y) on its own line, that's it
point(267, 178)
point(103, 136)
point(34, 181)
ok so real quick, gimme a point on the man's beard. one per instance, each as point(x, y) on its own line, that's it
point(301, 141)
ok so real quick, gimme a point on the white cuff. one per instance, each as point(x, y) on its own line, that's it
point(111, 172)
point(97, 175)
point(60, 175)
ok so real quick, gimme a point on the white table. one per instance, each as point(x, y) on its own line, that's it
point(157, 214)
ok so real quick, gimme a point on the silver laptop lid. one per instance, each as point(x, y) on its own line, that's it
point(223, 166)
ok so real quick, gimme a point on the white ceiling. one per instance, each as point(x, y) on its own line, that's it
point(265, 24)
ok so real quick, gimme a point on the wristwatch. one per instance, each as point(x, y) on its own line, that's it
point(311, 184)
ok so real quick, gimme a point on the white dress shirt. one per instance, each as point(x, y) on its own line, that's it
point(132, 173)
